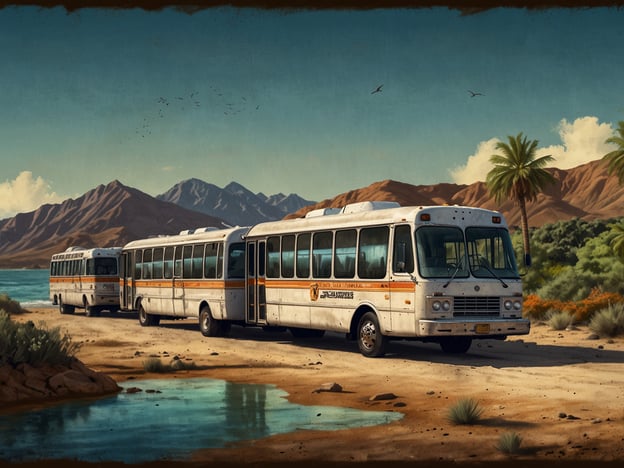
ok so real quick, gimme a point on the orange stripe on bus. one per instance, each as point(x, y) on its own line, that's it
point(83, 279)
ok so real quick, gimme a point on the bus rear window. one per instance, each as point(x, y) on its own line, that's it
point(105, 266)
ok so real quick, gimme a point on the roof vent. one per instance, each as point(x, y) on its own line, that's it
point(368, 206)
point(322, 212)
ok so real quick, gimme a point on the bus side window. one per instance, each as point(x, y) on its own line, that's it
point(168, 263)
point(303, 256)
point(403, 261)
point(236, 260)
point(374, 244)
point(220, 261)
point(138, 265)
point(187, 261)
point(288, 256)
point(91, 267)
point(158, 263)
point(197, 262)
point(322, 254)
point(177, 262)
point(273, 257)
point(210, 260)
point(147, 264)
point(344, 254)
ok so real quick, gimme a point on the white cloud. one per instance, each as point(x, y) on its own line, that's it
point(25, 194)
point(582, 141)
point(477, 166)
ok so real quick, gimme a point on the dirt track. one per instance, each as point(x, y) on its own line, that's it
point(523, 384)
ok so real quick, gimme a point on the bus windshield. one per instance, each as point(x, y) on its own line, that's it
point(441, 252)
point(491, 253)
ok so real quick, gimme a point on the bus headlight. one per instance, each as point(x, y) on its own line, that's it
point(512, 305)
point(441, 305)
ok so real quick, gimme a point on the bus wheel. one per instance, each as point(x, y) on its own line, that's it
point(147, 320)
point(92, 311)
point(456, 344)
point(65, 309)
point(370, 340)
point(208, 326)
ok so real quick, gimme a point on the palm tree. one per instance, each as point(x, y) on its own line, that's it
point(616, 158)
point(520, 176)
point(617, 243)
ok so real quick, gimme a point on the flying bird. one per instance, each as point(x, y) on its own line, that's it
point(473, 94)
point(378, 90)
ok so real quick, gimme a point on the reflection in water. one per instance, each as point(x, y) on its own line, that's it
point(173, 419)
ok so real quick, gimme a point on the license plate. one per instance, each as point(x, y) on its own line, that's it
point(482, 328)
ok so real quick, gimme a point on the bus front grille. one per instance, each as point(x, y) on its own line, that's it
point(476, 306)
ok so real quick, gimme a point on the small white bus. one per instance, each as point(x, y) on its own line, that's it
point(85, 278)
point(198, 273)
point(377, 271)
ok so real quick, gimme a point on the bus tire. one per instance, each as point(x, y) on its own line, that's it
point(92, 311)
point(147, 320)
point(64, 308)
point(371, 342)
point(456, 344)
point(209, 326)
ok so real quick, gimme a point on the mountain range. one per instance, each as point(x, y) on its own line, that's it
point(233, 203)
point(586, 192)
point(114, 214)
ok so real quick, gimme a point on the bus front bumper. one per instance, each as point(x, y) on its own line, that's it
point(474, 327)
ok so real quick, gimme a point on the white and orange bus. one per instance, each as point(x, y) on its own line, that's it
point(198, 273)
point(377, 271)
point(85, 278)
point(373, 270)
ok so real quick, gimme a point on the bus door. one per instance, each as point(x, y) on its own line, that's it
point(255, 283)
point(126, 288)
point(402, 285)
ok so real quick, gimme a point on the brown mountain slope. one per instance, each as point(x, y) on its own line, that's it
point(109, 215)
point(586, 192)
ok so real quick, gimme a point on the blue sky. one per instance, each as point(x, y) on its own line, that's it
point(282, 101)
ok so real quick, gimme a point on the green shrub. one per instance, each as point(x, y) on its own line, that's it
point(559, 319)
point(26, 343)
point(509, 443)
point(179, 364)
point(155, 365)
point(608, 321)
point(10, 306)
point(465, 411)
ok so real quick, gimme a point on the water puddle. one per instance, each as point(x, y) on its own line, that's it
point(169, 419)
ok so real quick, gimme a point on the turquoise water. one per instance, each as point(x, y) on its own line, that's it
point(28, 287)
point(175, 418)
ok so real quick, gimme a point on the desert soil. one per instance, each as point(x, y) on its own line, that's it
point(560, 391)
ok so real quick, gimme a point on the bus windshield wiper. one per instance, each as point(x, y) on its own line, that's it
point(459, 265)
point(484, 264)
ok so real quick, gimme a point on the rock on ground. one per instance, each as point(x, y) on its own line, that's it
point(25, 383)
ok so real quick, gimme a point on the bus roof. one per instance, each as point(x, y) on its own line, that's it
point(191, 236)
point(372, 215)
point(80, 252)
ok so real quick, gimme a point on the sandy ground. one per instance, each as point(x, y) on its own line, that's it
point(523, 385)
